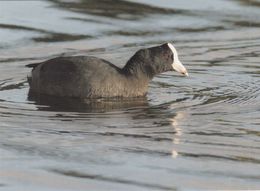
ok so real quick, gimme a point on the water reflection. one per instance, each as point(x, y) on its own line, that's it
point(51, 103)
point(176, 121)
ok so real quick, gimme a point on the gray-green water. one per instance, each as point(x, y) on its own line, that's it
point(201, 132)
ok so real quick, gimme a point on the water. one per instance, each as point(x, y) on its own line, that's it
point(194, 133)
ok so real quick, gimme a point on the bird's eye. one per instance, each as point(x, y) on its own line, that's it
point(172, 57)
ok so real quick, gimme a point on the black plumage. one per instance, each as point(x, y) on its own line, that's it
point(91, 77)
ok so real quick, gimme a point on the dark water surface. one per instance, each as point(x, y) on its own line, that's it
point(201, 132)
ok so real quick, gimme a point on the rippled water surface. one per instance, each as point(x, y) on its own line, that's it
point(194, 133)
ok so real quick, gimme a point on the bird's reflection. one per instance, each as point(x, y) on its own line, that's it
point(51, 103)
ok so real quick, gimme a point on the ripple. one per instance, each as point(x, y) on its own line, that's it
point(121, 10)
point(78, 174)
point(244, 94)
point(49, 36)
point(217, 157)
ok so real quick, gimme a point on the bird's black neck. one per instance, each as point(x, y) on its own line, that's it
point(138, 66)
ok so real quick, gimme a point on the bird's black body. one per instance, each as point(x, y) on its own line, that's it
point(91, 77)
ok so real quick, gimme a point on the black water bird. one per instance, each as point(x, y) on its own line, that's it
point(91, 77)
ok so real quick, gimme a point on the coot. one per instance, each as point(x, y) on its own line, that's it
point(91, 77)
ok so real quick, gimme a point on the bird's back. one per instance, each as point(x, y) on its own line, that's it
point(79, 76)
